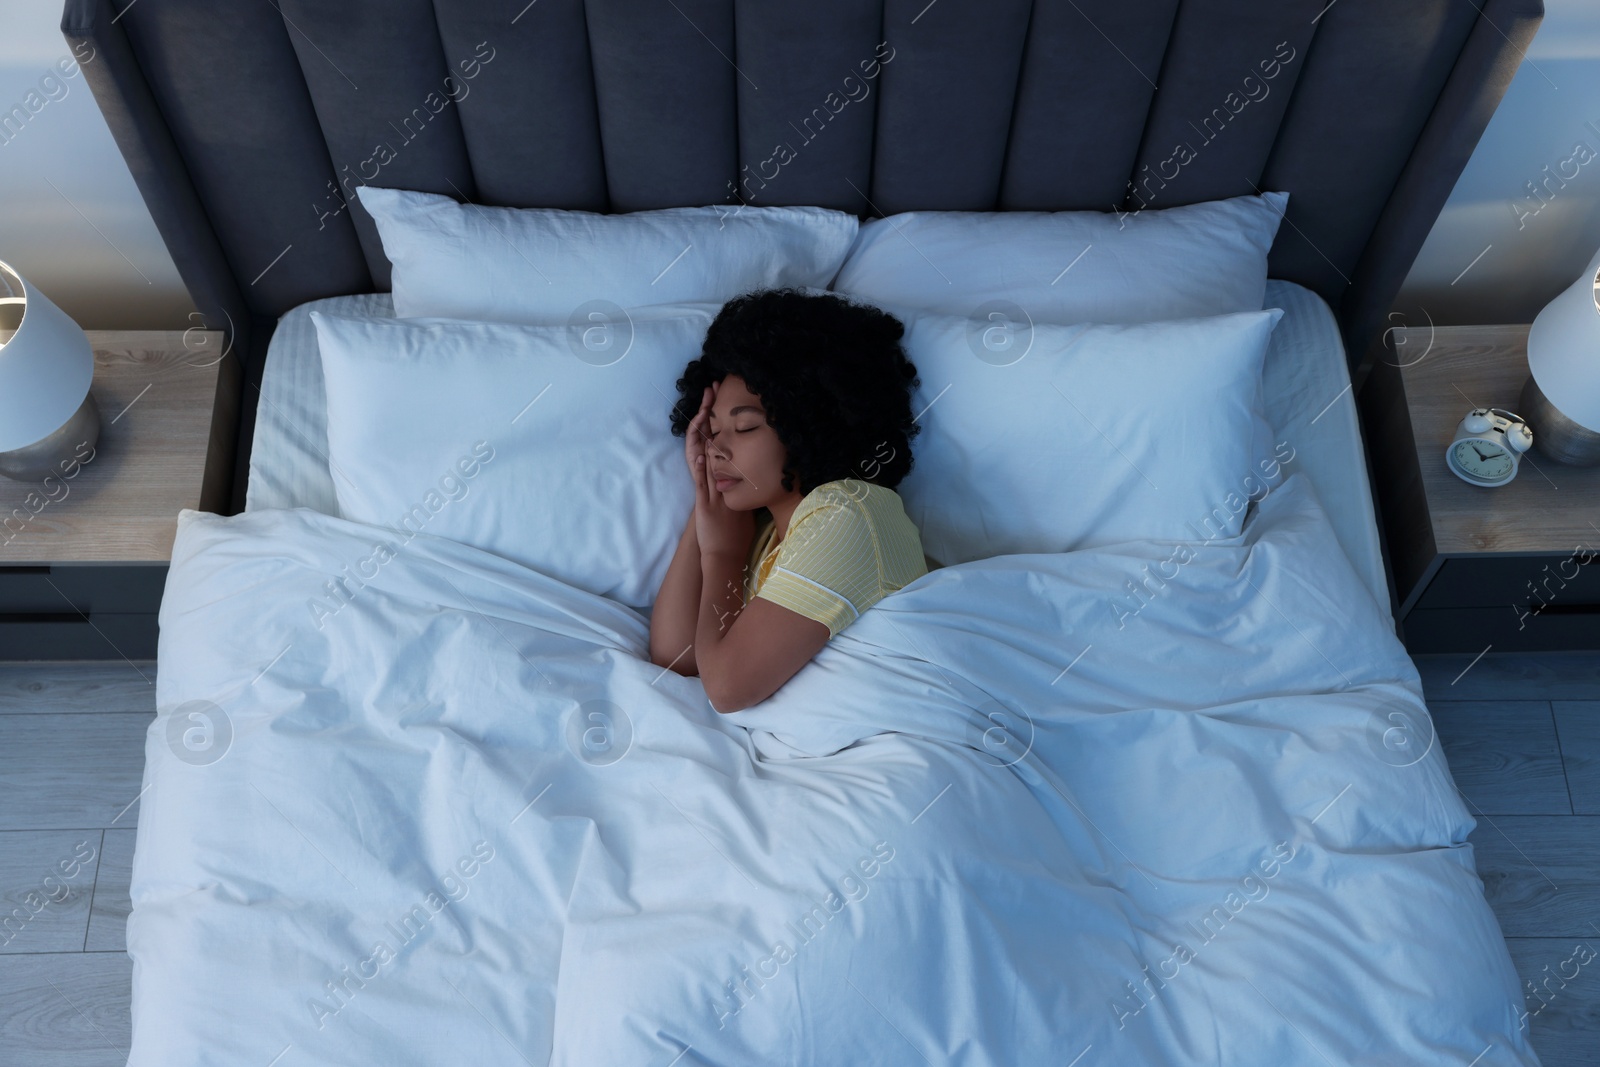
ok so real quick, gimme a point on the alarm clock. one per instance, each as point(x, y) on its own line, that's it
point(1488, 446)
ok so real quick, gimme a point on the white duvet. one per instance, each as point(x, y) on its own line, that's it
point(409, 803)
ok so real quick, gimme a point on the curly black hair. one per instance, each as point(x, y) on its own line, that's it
point(831, 374)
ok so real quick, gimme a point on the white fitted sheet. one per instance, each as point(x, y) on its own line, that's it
point(1306, 383)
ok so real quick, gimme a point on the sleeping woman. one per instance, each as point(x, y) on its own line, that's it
point(797, 423)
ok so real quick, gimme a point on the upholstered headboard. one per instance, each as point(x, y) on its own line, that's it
point(248, 123)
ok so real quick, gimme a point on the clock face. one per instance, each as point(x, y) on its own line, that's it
point(1482, 459)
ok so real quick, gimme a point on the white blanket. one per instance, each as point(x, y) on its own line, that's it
point(409, 803)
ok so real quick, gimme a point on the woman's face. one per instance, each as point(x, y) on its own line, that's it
point(744, 453)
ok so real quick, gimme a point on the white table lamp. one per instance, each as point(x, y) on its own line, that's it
point(47, 414)
point(1562, 397)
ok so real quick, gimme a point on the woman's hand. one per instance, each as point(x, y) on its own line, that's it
point(694, 441)
point(718, 528)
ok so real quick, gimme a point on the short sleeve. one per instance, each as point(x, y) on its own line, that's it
point(827, 567)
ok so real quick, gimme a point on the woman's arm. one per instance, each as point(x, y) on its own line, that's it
point(746, 655)
point(677, 608)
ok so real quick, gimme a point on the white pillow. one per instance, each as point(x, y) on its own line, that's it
point(544, 265)
point(1087, 435)
point(1172, 263)
point(517, 439)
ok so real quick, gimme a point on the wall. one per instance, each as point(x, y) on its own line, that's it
point(1524, 217)
point(72, 221)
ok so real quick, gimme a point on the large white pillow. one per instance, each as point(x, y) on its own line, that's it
point(545, 265)
point(546, 445)
point(1078, 436)
point(1071, 266)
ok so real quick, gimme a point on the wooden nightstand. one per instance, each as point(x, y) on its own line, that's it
point(1516, 567)
point(83, 559)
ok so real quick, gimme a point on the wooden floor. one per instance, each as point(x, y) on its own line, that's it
point(72, 753)
point(1522, 734)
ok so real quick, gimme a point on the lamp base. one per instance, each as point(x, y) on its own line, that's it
point(1554, 435)
point(57, 452)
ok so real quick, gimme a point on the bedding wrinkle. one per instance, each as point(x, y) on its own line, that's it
point(591, 837)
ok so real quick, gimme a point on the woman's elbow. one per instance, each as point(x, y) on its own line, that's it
point(726, 703)
point(679, 662)
point(728, 693)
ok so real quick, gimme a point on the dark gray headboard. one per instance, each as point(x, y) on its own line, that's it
point(247, 123)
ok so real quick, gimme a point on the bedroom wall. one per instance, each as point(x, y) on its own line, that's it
point(1524, 217)
point(72, 221)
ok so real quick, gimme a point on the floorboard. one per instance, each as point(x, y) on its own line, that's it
point(1504, 755)
point(1563, 997)
point(1512, 676)
point(65, 1009)
point(1578, 727)
point(71, 771)
point(46, 886)
point(73, 688)
point(1541, 873)
point(108, 914)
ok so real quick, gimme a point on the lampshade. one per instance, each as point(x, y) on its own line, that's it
point(45, 364)
point(1564, 350)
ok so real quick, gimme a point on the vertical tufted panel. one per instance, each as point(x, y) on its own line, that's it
point(1088, 76)
point(807, 114)
point(1340, 152)
point(623, 105)
point(384, 95)
point(528, 115)
point(944, 114)
point(1224, 85)
point(664, 83)
point(264, 140)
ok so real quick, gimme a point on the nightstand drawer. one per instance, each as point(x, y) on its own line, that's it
point(1514, 603)
point(80, 611)
point(1560, 627)
point(91, 590)
point(1521, 581)
point(56, 636)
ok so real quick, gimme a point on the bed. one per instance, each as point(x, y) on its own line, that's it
point(989, 823)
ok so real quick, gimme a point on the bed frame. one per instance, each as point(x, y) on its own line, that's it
point(248, 124)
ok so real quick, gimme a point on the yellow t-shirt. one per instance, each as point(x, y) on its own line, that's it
point(850, 544)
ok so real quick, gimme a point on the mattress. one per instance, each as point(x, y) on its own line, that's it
point(1306, 383)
